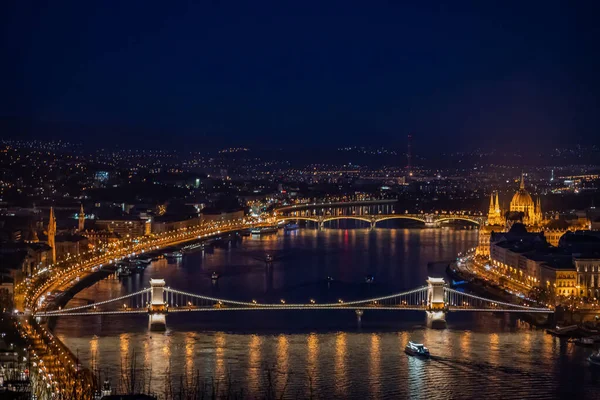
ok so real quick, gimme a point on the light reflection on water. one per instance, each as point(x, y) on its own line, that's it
point(339, 366)
point(490, 355)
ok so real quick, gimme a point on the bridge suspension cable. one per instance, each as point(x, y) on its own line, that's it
point(412, 297)
point(177, 300)
point(470, 302)
point(97, 304)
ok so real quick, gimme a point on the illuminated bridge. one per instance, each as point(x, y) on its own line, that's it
point(371, 211)
point(432, 220)
point(436, 299)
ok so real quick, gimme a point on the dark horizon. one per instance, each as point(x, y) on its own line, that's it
point(269, 75)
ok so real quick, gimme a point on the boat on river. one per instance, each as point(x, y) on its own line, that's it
point(594, 359)
point(123, 271)
point(585, 341)
point(263, 230)
point(565, 331)
point(174, 254)
point(417, 350)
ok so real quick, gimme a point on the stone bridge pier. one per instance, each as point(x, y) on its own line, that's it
point(157, 309)
point(436, 303)
point(430, 221)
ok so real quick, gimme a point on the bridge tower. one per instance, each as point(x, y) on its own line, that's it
point(157, 309)
point(436, 303)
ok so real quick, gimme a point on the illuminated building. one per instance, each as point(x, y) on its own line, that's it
point(523, 203)
point(81, 218)
point(494, 213)
point(126, 226)
point(566, 283)
point(588, 276)
point(495, 223)
point(52, 234)
point(527, 258)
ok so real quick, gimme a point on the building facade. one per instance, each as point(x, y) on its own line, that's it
point(523, 203)
point(566, 283)
point(126, 227)
point(588, 276)
point(160, 225)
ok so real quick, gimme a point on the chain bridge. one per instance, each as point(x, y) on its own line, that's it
point(435, 299)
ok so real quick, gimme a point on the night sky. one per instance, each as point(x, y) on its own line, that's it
point(284, 73)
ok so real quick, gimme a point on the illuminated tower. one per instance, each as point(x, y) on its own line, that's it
point(409, 156)
point(522, 185)
point(497, 209)
point(52, 234)
point(494, 213)
point(538, 216)
point(81, 219)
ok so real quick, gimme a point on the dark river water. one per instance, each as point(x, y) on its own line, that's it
point(325, 354)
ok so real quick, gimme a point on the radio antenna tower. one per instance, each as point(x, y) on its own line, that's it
point(409, 156)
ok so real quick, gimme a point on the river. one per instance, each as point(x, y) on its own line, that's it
point(326, 353)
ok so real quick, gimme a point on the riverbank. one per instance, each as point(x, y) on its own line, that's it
point(489, 289)
point(60, 367)
point(81, 284)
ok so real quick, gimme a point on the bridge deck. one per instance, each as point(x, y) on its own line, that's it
point(290, 307)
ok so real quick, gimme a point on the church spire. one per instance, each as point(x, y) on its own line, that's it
point(52, 234)
point(492, 207)
point(81, 219)
point(522, 187)
point(497, 204)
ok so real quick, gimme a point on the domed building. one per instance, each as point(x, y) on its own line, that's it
point(522, 210)
point(523, 203)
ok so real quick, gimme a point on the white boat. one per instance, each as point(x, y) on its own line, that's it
point(264, 229)
point(417, 350)
point(174, 254)
point(586, 341)
point(594, 359)
point(214, 276)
